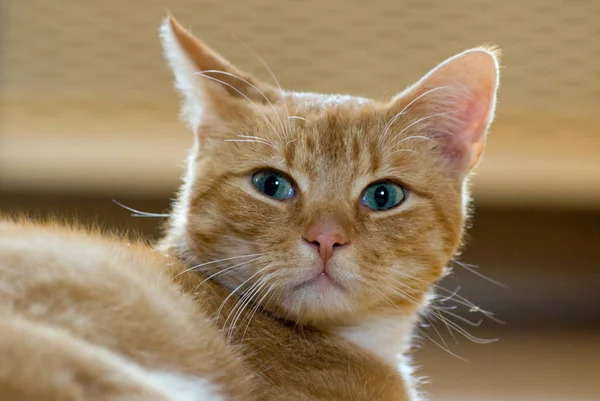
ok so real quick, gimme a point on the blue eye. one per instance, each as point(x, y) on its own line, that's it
point(383, 196)
point(273, 184)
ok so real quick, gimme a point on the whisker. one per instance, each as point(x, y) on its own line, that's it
point(444, 307)
point(403, 150)
point(441, 318)
point(258, 304)
point(249, 295)
point(229, 268)
point(414, 137)
point(420, 120)
point(218, 261)
point(241, 299)
point(252, 86)
point(270, 71)
point(255, 309)
point(462, 319)
point(479, 274)
point(245, 97)
point(404, 295)
point(139, 213)
point(405, 109)
point(438, 332)
point(410, 137)
point(254, 137)
point(390, 123)
point(437, 313)
point(250, 140)
point(219, 310)
point(239, 240)
point(454, 326)
point(468, 335)
point(440, 346)
point(422, 95)
point(454, 296)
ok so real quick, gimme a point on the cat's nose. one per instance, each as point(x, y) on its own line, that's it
point(327, 237)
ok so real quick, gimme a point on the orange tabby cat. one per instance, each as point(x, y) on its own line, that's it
point(330, 211)
point(317, 224)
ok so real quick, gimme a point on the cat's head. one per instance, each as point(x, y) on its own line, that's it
point(325, 208)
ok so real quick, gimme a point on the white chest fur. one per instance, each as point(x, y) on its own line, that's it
point(184, 388)
point(387, 337)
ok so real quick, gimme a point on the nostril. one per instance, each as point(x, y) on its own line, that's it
point(315, 242)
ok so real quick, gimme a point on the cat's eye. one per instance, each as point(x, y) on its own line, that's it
point(273, 184)
point(383, 195)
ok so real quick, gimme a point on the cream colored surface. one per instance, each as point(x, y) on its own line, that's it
point(522, 366)
point(88, 105)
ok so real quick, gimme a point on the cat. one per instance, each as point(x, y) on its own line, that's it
point(334, 212)
point(301, 249)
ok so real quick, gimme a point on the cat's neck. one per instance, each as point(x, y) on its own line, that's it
point(387, 337)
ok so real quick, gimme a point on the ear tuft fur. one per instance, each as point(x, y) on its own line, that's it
point(184, 70)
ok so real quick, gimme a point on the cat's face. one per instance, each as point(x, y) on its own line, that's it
point(324, 208)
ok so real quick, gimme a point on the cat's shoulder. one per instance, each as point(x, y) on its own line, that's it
point(52, 248)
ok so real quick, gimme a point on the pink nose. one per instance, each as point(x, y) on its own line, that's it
point(327, 237)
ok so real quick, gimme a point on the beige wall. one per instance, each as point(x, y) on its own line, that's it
point(83, 84)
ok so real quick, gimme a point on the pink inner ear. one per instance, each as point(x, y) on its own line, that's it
point(464, 131)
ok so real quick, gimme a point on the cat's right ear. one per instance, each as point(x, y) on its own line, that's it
point(211, 87)
point(454, 105)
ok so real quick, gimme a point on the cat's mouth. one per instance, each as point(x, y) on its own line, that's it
point(321, 282)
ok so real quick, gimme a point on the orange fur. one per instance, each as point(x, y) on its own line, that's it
point(88, 317)
point(331, 147)
point(235, 302)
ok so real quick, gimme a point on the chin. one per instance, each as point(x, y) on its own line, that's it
point(318, 300)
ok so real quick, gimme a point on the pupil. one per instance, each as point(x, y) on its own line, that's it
point(271, 185)
point(381, 196)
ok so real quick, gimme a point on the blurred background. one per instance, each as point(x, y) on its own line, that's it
point(88, 115)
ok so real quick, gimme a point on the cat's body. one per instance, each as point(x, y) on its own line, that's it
point(302, 247)
point(91, 317)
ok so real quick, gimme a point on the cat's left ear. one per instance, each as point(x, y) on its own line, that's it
point(454, 105)
point(213, 90)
